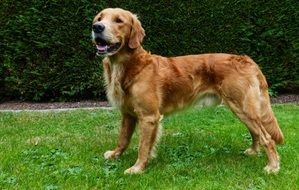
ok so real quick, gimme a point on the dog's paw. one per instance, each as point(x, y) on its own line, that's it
point(272, 169)
point(251, 151)
point(134, 170)
point(110, 154)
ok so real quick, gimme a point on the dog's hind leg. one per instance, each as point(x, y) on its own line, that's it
point(259, 136)
point(127, 128)
point(255, 147)
point(247, 97)
point(248, 110)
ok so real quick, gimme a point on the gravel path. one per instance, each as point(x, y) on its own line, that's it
point(286, 98)
point(15, 105)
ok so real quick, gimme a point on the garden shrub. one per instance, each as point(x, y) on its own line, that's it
point(47, 54)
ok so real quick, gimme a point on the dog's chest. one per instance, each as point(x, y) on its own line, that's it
point(115, 92)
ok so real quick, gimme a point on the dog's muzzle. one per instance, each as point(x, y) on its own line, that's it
point(103, 45)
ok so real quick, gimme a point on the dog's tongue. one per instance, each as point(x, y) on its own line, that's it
point(102, 47)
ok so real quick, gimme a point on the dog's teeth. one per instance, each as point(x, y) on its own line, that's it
point(102, 48)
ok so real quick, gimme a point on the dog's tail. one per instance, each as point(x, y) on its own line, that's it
point(268, 119)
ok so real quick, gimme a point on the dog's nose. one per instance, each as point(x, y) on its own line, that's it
point(98, 27)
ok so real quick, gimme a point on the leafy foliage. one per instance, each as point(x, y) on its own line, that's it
point(46, 51)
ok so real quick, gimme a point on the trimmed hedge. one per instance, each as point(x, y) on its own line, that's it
point(46, 51)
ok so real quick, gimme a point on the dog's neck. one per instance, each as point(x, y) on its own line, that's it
point(125, 55)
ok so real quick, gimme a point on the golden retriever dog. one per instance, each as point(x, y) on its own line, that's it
point(145, 87)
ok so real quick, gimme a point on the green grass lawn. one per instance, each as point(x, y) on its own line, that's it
point(200, 149)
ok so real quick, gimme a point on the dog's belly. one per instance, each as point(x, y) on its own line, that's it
point(204, 100)
point(208, 100)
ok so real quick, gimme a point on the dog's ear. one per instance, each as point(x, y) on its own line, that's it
point(137, 33)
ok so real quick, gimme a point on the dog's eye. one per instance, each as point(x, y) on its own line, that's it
point(118, 20)
point(99, 19)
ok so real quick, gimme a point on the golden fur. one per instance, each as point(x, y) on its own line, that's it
point(145, 87)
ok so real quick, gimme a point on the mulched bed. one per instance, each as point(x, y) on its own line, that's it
point(14, 105)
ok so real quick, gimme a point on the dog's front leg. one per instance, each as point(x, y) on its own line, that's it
point(127, 128)
point(148, 133)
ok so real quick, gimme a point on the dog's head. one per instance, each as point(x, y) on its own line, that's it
point(114, 29)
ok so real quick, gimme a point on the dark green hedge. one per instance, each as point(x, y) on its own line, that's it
point(46, 52)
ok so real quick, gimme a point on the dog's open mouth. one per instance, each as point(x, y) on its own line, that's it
point(104, 47)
